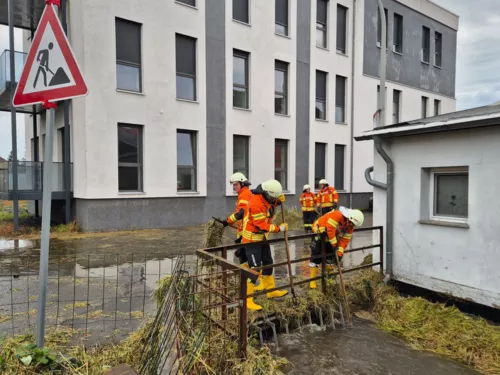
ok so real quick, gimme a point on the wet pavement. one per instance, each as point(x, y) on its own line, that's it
point(361, 350)
point(103, 283)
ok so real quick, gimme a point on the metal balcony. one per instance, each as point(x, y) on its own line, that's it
point(30, 180)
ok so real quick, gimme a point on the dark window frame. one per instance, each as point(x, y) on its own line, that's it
point(187, 2)
point(437, 107)
point(246, 142)
point(322, 23)
point(127, 63)
point(284, 169)
point(397, 43)
point(379, 28)
point(424, 105)
point(245, 56)
point(140, 158)
point(178, 73)
point(435, 174)
point(281, 66)
point(426, 45)
point(247, 11)
point(342, 23)
point(194, 168)
point(396, 106)
point(338, 102)
point(320, 99)
point(339, 167)
point(279, 19)
point(438, 49)
point(319, 147)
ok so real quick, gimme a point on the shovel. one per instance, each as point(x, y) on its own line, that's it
point(342, 286)
point(288, 256)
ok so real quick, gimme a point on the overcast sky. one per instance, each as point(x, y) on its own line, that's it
point(478, 58)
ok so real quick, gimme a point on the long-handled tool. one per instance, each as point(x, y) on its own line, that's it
point(342, 286)
point(288, 255)
point(220, 221)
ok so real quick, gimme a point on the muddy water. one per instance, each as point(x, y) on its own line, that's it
point(113, 276)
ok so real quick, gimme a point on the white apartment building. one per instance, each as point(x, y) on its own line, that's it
point(183, 93)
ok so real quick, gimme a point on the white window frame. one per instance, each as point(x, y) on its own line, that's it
point(433, 197)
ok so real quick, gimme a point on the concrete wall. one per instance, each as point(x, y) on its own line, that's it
point(460, 261)
point(407, 68)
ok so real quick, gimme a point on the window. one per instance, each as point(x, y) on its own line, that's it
point(437, 107)
point(321, 23)
point(186, 160)
point(128, 55)
point(319, 163)
point(379, 28)
point(340, 99)
point(321, 78)
point(424, 106)
point(188, 2)
point(240, 11)
point(281, 162)
point(341, 28)
point(129, 158)
point(240, 79)
point(241, 145)
point(426, 44)
point(398, 33)
point(281, 17)
point(450, 192)
point(396, 106)
point(339, 167)
point(281, 87)
point(438, 39)
point(378, 105)
point(185, 60)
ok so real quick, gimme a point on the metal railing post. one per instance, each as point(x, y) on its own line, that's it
point(381, 242)
point(243, 316)
point(323, 265)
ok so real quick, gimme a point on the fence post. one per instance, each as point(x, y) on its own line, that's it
point(243, 315)
point(224, 285)
point(323, 265)
point(381, 238)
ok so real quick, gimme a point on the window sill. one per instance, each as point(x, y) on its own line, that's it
point(281, 114)
point(186, 5)
point(397, 53)
point(131, 193)
point(344, 54)
point(444, 224)
point(323, 48)
point(242, 23)
point(340, 123)
point(283, 35)
point(437, 66)
point(425, 62)
point(188, 193)
point(379, 46)
point(321, 120)
point(131, 92)
point(243, 109)
point(187, 101)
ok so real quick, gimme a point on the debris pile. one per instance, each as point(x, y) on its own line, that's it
point(214, 233)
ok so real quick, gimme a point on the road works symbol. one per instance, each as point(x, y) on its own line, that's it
point(51, 72)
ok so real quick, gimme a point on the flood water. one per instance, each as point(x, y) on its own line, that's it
point(102, 283)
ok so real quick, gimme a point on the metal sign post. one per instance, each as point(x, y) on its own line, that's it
point(51, 74)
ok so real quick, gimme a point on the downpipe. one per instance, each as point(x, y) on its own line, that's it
point(389, 187)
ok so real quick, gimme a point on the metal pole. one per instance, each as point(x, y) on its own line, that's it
point(36, 144)
point(383, 63)
point(46, 210)
point(13, 116)
point(67, 138)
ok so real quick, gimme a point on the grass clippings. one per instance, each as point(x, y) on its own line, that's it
point(214, 234)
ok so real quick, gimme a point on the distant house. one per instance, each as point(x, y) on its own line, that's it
point(446, 202)
point(2, 160)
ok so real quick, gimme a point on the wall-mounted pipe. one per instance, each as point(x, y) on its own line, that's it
point(353, 74)
point(372, 182)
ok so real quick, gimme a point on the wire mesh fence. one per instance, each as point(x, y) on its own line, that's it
point(91, 291)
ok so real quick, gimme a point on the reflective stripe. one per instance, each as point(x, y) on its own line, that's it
point(272, 228)
point(307, 209)
point(232, 219)
point(243, 202)
point(332, 222)
point(258, 216)
point(333, 241)
point(253, 237)
point(340, 250)
point(327, 205)
point(347, 236)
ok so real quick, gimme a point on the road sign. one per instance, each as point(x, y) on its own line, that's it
point(51, 72)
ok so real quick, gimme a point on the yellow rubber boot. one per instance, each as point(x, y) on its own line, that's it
point(260, 285)
point(251, 305)
point(314, 273)
point(270, 284)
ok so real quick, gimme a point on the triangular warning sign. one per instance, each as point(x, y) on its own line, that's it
point(51, 72)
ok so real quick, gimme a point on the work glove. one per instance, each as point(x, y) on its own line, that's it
point(282, 198)
point(284, 227)
point(225, 223)
point(335, 206)
point(340, 252)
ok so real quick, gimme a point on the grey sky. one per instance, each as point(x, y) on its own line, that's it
point(478, 57)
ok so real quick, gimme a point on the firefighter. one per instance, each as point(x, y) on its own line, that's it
point(307, 201)
point(327, 198)
point(336, 227)
point(257, 225)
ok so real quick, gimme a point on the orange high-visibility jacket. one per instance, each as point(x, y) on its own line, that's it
point(337, 228)
point(307, 201)
point(244, 196)
point(327, 197)
point(257, 223)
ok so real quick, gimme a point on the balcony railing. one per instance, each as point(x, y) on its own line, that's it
point(19, 60)
point(30, 176)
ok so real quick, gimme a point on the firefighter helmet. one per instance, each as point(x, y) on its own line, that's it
point(306, 186)
point(323, 182)
point(354, 216)
point(238, 177)
point(273, 188)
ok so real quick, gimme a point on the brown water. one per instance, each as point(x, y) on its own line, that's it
point(115, 275)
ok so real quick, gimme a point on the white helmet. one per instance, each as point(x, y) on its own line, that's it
point(238, 177)
point(354, 216)
point(306, 186)
point(323, 182)
point(273, 188)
